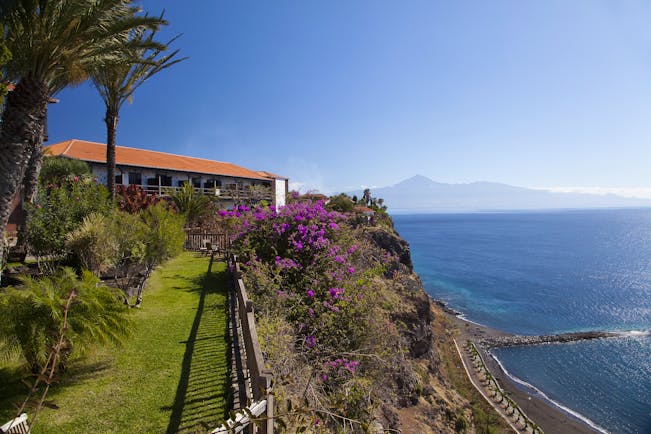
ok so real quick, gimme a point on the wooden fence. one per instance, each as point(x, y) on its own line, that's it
point(197, 241)
point(260, 377)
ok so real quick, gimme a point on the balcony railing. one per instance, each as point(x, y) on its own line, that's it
point(238, 193)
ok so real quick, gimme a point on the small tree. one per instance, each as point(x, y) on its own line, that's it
point(130, 235)
point(164, 238)
point(341, 202)
point(191, 204)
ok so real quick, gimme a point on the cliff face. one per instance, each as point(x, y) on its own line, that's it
point(416, 318)
point(390, 241)
point(427, 400)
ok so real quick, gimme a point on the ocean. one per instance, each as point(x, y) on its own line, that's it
point(553, 272)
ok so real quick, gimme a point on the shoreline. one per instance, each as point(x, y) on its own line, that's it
point(547, 414)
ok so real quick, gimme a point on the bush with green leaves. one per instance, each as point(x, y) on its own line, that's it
point(191, 204)
point(165, 236)
point(132, 244)
point(56, 170)
point(341, 202)
point(95, 243)
point(59, 210)
point(32, 315)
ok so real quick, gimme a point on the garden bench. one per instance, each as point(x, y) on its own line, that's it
point(205, 247)
point(242, 419)
point(16, 426)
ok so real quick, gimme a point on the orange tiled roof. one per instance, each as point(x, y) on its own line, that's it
point(269, 175)
point(96, 153)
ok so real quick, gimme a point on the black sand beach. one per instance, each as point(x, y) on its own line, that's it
point(548, 417)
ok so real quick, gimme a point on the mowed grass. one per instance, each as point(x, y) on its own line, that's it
point(171, 375)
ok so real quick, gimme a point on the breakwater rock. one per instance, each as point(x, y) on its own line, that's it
point(518, 340)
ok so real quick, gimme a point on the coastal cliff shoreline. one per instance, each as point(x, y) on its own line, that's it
point(550, 418)
point(544, 412)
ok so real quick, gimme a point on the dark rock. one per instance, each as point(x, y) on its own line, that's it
point(516, 340)
point(392, 243)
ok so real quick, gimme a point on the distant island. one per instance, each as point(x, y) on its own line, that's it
point(420, 194)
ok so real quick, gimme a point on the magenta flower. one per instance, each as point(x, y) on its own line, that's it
point(310, 341)
point(336, 292)
point(310, 293)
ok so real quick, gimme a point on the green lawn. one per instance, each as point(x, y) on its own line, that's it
point(172, 374)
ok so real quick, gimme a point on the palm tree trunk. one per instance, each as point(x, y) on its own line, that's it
point(30, 189)
point(143, 282)
point(111, 120)
point(22, 132)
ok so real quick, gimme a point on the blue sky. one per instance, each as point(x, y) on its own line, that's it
point(340, 94)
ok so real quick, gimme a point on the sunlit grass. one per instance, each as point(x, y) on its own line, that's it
point(171, 375)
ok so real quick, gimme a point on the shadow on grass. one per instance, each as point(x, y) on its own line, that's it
point(202, 394)
point(14, 380)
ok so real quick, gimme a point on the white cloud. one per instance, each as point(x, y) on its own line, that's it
point(306, 176)
point(632, 192)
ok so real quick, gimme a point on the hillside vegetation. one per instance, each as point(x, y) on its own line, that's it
point(351, 336)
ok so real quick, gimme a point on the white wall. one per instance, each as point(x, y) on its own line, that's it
point(279, 192)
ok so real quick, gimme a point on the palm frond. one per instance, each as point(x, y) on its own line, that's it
point(59, 42)
point(141, 58)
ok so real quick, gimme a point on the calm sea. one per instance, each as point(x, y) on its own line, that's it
point(552, 272)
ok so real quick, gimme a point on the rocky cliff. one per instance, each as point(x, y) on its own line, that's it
point(427, 397)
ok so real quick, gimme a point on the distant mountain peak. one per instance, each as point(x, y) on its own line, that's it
point(416, 180)
point(420, 193)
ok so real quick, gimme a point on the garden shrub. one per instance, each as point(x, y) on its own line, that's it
point(59, 210)
point(133, 198)
point(132, 244)
point(31, 316)
point(94, 243)
point(164, 236)
point(191, 204)
point(56, 170)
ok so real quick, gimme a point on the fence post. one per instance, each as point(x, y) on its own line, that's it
point(261, 378)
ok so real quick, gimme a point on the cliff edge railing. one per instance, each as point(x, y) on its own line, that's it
point(252, 380)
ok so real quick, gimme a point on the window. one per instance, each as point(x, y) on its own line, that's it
point(118, 179)
point(196, 182)
point(135, 178)
point(165, 181)
point(213, 183)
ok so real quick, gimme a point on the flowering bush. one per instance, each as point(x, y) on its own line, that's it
point(133, 198)
point(304, 264)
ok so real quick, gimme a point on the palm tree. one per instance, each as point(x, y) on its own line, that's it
point(117, 80)
point(54, 43)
